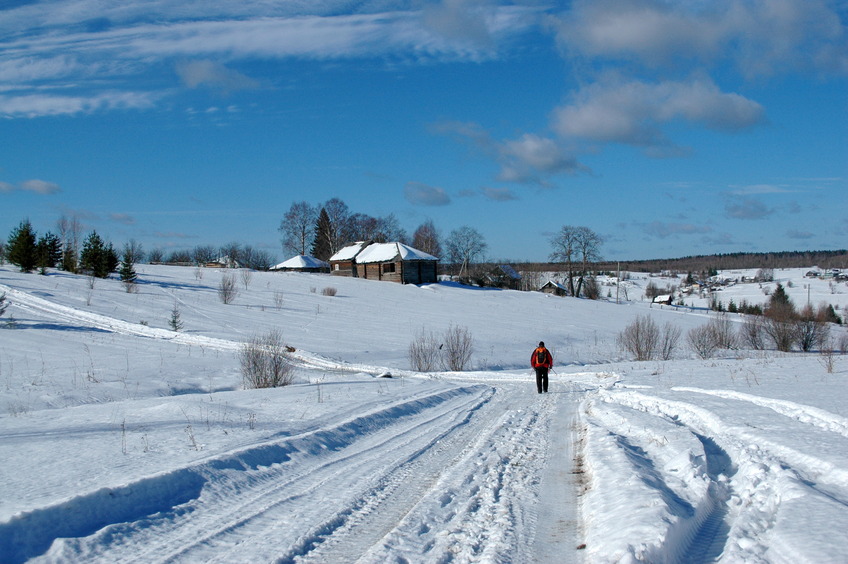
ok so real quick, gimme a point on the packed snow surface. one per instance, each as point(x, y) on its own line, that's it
point(122, 439)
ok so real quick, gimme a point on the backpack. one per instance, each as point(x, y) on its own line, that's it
point(541, 356)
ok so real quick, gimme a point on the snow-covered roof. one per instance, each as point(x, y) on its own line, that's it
point(364, 252)
point(301, 261)
point(554, 284)
point(382, 252)
point(349, 252)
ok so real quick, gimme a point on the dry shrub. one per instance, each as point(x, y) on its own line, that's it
point(752, 332)
point(703, 340)
point(329, 291)
point(640, 338)
point(458, 347)
point(453, 351)
point(669, 339)
point(264, 363)
point(227, 290)
point(424, 352)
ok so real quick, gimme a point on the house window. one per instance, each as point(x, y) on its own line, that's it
point(336, 266)
point(389, 267)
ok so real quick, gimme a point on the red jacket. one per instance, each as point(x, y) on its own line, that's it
point(549, 360)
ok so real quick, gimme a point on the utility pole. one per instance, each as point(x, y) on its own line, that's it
point(618, 280)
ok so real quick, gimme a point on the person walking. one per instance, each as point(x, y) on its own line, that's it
point(541, 361)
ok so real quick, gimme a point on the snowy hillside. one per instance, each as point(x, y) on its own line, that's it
point(124, 440)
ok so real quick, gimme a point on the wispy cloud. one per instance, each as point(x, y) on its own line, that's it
point(35, 186)
point(529, 159)
point(663, 230)
point(37, 105)
point(747, 208)
point(87, 65)
point(760, 189)
point(498, 194)
point(802, 235)
point(212, 74)
point(424, 195)
point(123, 218)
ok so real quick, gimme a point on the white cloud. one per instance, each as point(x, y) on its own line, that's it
point(36, 186)
point(36, 105)
point(759, 38)
point(633, 112)
point(529, 159)
point(424, 195)
point(210, 73)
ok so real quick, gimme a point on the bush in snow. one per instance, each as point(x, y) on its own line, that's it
point(424, 351)
point(811, 330)
point(264, 363)
point(329, 291)
point(703, 340)
point(640, 338)
point(452, 352)
point(669, 339)
point(227, 290)
point(724, 334)
point(457, 349)
point(752, 334)
point(3, 304)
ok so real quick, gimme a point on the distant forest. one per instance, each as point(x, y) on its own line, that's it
point(701, 263)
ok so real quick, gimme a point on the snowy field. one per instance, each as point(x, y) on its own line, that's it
point(123, 440)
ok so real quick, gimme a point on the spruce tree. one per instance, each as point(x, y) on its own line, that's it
point(49, 250)
point(98, 258)
point(321, 246)
point(22, 251)
point(127, 271)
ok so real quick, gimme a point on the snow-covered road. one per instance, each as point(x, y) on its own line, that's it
point(470, 473)
point(123, 441)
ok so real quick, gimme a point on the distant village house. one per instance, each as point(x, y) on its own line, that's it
point(392, 262)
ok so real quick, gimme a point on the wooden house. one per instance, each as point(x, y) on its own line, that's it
point(555, 288)
point(504, 276)
point(392, 262)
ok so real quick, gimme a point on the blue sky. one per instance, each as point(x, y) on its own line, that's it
point(670, 128)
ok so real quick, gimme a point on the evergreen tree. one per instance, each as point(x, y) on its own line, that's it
point(779, 297)
point(127, 271)
point(22, 250)
point(49, 251)
point(98, 258)
point(3, 304)
point(321, 246)
point(175, 323)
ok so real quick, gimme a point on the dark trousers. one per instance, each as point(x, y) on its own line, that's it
point(542, 379)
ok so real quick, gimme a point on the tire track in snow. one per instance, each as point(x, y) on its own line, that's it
point(226, 493)
point(804, 413)
point(484, 506)
point(763, 470)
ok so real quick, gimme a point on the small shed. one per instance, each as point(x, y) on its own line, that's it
point(555, 288)
point(223, 262)
point(392, 262)
point(302, 263)
point(504, 276)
